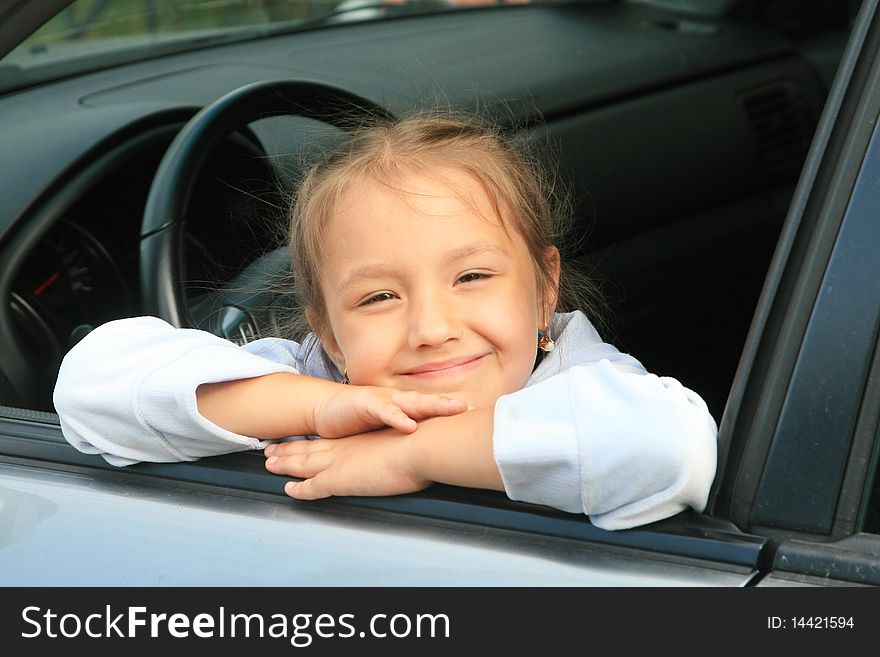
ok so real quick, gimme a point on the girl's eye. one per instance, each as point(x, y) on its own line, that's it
point(472, 276)
point(376, 298)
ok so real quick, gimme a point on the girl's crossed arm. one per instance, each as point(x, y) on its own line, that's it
point(624, 448)
point(281, 405)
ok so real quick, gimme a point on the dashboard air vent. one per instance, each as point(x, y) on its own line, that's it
point(778, 123)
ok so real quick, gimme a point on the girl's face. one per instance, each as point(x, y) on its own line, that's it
point(426, 291)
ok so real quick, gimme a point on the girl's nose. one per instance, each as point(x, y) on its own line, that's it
point(432, 323)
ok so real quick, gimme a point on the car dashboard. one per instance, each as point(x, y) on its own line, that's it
point(613, 89)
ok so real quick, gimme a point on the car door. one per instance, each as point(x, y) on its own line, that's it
point(799, 439)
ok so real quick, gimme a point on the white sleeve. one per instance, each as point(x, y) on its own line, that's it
point(127, 391)
point(624, 448)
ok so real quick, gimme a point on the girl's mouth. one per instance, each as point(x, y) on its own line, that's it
point(446, 368)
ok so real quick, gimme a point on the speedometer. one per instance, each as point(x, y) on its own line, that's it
point(68, 284)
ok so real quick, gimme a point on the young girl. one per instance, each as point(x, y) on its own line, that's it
point(423, 256)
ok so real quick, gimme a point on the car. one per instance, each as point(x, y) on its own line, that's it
point(722, 158)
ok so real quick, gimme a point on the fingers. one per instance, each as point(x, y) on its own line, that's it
point(406, 407)
point(300, 461)
point(396, 418)
point(310, 489)
point(290, 447)
point(422, 406)
point(362, 465)
point(301, 458)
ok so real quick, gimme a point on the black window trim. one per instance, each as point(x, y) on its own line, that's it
point(776, 339)
point(816, 425)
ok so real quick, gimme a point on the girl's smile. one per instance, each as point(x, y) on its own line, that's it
point(447, 368)
point(427, 288)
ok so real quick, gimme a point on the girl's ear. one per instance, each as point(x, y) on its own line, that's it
point(550, 293)
point(327, 339)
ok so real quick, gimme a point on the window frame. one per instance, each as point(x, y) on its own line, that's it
point(779, 375)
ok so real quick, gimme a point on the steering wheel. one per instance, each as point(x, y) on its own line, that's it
point(163, 230)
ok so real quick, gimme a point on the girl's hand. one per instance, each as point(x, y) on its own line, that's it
point(352, 409)
point(454, 450)
point(283, 404)
point(375, 463)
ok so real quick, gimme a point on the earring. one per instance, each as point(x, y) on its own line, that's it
point(345, 376)
point(545, 340)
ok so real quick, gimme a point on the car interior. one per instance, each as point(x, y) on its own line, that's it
point(680, 135)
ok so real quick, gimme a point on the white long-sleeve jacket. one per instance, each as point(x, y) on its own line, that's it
point(591, 432)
